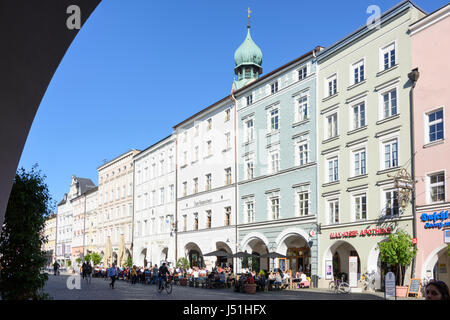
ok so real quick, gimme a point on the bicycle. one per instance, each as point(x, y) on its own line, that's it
point(167, 285)
point(369, 281)
point(339, 286)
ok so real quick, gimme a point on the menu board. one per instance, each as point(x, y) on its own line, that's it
point(414, 287)
point(389, 285)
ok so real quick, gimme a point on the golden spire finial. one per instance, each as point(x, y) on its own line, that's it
point(248, 15)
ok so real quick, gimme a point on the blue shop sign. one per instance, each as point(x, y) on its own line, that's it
point(435, 220)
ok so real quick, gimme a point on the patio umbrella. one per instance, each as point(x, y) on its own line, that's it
point(242, 255)
point(217, 253)
point(108, 252)
point(121, 254)
point(273, 255)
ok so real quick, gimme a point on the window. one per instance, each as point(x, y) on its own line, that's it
point(228, 140)
point(195, 185)
point(359, 115)
point(249, 169)
point(185, 159)
point(208, 219)
point(249, 100)
point(208, 182)
point(185, 188)
point(195, 221)
point(303, 153)
point(358, 72)
point(274, 124)
point(250, 213)
point(172, 192)
point(249, 130)
point(227, 115)
point(390, 103)
point(436, 125)
point(333, 211)
point(274, 87)
point(274, 162)
point(359, 158)
point(209, 147)
point(333, 169)
point(303, 203)
point(390, 154)
point(332, 126)
point(227, 216)
point(332, 85)
point(161, 194)
point(209, 124)
point(360, 206)
point(302, 73)
point(196, 153)
point(184, 222)
point(391, 202)
point(275, 208)
point(302, 110)
point(197, 130)
point(388, 56)
point(437, 187)
point(227, 176)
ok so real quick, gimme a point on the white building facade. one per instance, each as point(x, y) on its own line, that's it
point(206, 188)
point(155, 204)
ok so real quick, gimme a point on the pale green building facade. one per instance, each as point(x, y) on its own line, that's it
point(363, 141)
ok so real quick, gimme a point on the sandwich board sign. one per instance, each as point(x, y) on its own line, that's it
point(389, 282)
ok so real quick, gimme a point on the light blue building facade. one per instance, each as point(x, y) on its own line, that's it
point(277, 159)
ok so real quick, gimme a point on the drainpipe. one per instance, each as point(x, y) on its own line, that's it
point(176, 198)
point(414, 77)
point(236, 179)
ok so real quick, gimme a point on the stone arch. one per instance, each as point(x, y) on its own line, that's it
point(254, 235)
point(431, 260)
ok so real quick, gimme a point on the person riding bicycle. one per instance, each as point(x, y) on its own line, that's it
point(163, 272)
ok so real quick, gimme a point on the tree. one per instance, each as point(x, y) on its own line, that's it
point(96, 258)
point(398, 251)
point(183, 262)
point(129, 262)
point(87, 257)
point(22, 237)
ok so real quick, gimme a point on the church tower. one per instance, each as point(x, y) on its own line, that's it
point(248, 60)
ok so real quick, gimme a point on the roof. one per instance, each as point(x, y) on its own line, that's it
point(407, 4)
point(116, 158)
point(253, 83)
point(85, 185)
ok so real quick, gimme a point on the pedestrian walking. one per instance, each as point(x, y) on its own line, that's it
point(83, 270)
point(56, 268)
point(88, 272)
point(112, 273)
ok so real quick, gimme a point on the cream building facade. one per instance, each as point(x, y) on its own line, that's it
point(115, 209)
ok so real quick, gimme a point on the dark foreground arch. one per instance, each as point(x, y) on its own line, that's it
point(34, 38)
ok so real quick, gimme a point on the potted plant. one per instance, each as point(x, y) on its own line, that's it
point(183, 263)
point(249, 285)
point(398, 251)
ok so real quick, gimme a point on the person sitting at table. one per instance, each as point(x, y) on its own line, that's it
point(271, 280)
point(285, 280)
point(278, 279)
point(222, 278)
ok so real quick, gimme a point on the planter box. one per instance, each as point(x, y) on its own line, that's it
point(401, 291)
point(183, 282)
point(250, 288)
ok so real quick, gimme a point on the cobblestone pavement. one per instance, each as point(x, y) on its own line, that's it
point(99, 289)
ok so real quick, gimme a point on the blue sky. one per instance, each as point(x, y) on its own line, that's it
point(139, 67)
